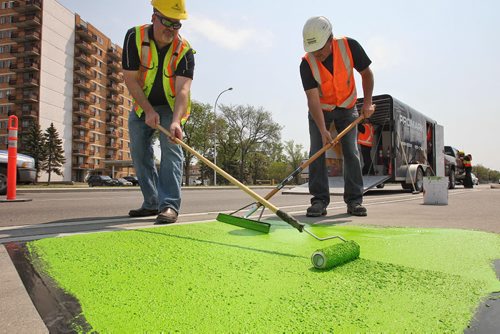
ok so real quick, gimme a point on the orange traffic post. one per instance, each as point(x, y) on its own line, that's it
point(12, 158)
point(12, 162)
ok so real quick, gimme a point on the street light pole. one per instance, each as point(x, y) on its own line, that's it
point(215, 131)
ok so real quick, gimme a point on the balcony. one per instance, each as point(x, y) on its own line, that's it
point(80, 152)
point(83, 85)
point(82, 166)
point(112, 133)
point(114, 65)
point(84, 71)
point(114, 111)
point(25, 66)
point(112, 145)
point(112, 121)
point(81, 124)
point(82, 97)
point(114, 54)
point(29, 113)
point(21, 36)
point(80, 138)
point(115, 76)
point(84, 46)
point(115, 88)
point(27, 82)
point(23, 50)
point(28, 20)
point(85, 112)
point(84, 34)
point(30, 96)
point(114, 99)
point(27, 6)
point(83, 58)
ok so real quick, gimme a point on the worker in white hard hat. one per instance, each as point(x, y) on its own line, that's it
point(158, 68)
point(328, 80)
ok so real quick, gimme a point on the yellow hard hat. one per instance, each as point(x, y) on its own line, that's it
point(174, 9)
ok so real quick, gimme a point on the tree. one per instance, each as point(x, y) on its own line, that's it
point(296, 155)
point(33, 144)
point(53, 152)
point(198, 134)
point(250, 128)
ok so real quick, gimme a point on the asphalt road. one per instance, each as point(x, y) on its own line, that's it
point(61, 213)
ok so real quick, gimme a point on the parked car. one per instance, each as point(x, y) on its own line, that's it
point(132, 179)
point(26, 172)
point(122, 182)
point(475, 180)
point(101, 180)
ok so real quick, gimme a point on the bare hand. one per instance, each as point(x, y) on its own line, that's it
point(152, 119)
point(327, 137)
point(367, 110)
point(176, 131)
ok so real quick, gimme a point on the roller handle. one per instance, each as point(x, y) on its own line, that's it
point(290, 220)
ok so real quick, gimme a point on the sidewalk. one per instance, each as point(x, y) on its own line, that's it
point(17, 313)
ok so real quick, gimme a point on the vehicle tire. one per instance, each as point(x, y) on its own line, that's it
point(3, 182)
point(452, 179)
point(419, 180)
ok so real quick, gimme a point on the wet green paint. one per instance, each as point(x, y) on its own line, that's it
point(209, 278)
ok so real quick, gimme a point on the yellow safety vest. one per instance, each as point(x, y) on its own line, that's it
point(149, 67)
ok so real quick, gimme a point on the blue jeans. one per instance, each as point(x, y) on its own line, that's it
point(160, 189)
point(318, 172)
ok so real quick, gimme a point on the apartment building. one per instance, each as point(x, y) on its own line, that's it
point(57, 68)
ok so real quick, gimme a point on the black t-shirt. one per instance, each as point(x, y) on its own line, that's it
point(359, 57)
point(131, 62)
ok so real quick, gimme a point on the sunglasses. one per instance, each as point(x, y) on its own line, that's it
point(176, 25)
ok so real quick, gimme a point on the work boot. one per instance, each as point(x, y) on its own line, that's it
point(142, 212)
point(317, 209)
point(167, 216)
point(356, 210)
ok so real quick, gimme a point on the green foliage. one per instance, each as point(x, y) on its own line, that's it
point(295, 154)
point(486, 175)
point(278, 170)
point(33, 144)
point(53, 158)
point(198, 134)
point(252, 130)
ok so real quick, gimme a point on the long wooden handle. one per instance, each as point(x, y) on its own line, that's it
point(314, 157)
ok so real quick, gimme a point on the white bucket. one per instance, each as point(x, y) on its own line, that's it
point(436, 190)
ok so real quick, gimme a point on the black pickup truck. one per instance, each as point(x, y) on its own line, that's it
point(454, 166)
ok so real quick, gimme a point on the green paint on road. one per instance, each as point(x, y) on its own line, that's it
point(209, 278)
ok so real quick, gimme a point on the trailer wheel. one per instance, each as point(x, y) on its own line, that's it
point(419, 180)
point(452, 179)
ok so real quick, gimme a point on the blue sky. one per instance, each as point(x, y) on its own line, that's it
point(440, 57)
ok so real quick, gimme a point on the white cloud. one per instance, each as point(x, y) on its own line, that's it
point(229, 37)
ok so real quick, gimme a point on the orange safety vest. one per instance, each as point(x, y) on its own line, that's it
point(337, 89)
point(366, 139)
point(149, 67)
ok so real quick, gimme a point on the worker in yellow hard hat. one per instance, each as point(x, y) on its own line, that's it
point(327, 73)
point(158, 68)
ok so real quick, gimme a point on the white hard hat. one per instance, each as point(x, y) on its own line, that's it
point(316, 32)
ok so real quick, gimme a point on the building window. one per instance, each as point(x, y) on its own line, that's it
point(5, 33)
point(4, 78)
point(5, 109)
point(8, 4)
point(5, 63)
point(5, 48)
point(6, 19)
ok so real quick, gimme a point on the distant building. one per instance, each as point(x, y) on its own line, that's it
point(57, 68)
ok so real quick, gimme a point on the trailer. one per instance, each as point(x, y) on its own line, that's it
point(407, 146)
